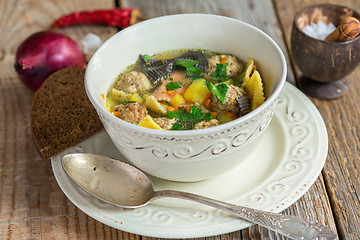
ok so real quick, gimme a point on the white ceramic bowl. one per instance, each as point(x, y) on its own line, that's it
point(196, 154)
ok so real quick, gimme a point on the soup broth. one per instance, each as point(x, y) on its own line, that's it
point(185, 90)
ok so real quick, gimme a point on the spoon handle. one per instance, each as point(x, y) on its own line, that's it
point(289, 226)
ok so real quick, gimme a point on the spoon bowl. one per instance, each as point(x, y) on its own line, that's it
point(108, 179)
point(123, 185)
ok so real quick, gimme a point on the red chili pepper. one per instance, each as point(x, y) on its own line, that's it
point(118, 17)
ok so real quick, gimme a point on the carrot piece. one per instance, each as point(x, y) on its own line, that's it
point(208, 96)
point(207, 103)
point(171, 109)
point(222, 60)
point(231, 115)
point(102, 96)
point(170, 92)
point(115, 113)
point(214, 114)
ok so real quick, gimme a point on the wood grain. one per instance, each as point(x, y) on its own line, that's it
point(341, 116)
point(32, 206)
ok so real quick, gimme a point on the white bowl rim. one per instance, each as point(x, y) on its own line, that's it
point(190, 133)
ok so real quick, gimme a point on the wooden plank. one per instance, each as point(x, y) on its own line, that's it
point(32, 206)
point(314, 205)
point(31, 203)
point(341, 171)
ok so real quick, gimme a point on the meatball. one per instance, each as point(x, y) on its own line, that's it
point(230, 104)
point(132, 112)
point(133, 82)
point(233, 68)
point(164, 123)
point(205, 124)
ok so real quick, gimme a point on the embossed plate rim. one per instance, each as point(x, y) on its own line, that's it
point(300, 165)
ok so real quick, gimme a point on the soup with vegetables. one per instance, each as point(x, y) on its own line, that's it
point(185, 90)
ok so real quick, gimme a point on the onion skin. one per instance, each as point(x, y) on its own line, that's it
point(43, 53)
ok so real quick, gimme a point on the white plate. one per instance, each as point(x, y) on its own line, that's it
point(283, 166)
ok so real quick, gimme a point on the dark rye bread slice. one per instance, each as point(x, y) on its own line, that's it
point(61, 113)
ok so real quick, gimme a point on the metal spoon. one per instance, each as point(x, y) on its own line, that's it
point(125, 186)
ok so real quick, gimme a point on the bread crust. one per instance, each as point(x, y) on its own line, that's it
point(61, 113)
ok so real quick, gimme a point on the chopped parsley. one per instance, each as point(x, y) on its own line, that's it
point(207, 117)
point(147, 57)
point(127, 102)
point(239, 81)
point(220, 75)
point(219, 91)
point(190, 66)
point(177, 126)
point(193, 71)
point(186, 63)
point(173, 85)
point(194, 116)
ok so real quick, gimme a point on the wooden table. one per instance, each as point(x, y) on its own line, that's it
point(32, 205)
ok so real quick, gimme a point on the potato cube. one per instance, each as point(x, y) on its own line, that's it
point(135, 97)
point(197, 91)
point(148, 122)
point(177, 100)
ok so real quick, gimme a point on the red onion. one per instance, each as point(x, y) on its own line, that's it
point(43, 53)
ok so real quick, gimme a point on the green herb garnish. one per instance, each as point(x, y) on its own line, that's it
point(184, 116)
point(194, 116)
point(173, 85)
point(219, 91)
point(207, 117)
point(147, 57)
point(186, 63)
point(127, 102)
point(193, 71)
point(177, 126)
point(190, 66)
point(220, 74)
point(239, 81)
